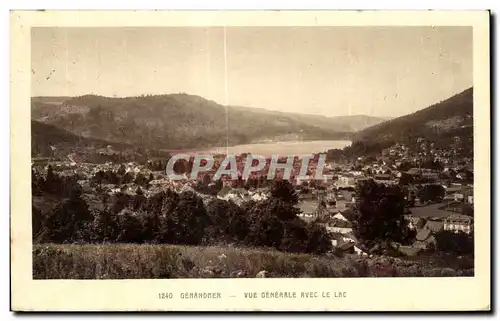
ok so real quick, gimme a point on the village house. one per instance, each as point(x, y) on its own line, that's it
point(345, 247)
point(347, 243)
point(424, 239)
point(108, 151)
point(159, 182)
point(339, 216)
point(321, 195)
point(345, 180)
point(338, 226)
point(414, 222)
point(237, 195)
point(356, 173)
point(414, 171)
point(330, 198)
point(458, 223)
point(258, 195)
point(337, 238)
point(85, 184)
point(453, 193)
point(383, 179)
point(409, 250)
point(459, 194)
point(306, 180)
point(430, 175)
point(434, 225)
point(224, 192)
point(40, 161)
point(380, 170)
point(308, 209)
point(343, 200)
point(468, 195)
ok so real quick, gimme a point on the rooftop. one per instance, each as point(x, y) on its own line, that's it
point(432, 210)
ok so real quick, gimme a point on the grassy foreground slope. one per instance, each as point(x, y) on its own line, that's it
point(124, 261)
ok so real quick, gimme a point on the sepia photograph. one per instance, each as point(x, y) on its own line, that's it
point(232, 151)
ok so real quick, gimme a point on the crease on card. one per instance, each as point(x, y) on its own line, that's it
point(226, 93)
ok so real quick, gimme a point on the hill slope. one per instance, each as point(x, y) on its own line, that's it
point(180, 121)
point(352, 123)
point(43, 136)
point(50, 141)
point(441, 122)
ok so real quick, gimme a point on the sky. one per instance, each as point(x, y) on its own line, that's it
point(331, 71)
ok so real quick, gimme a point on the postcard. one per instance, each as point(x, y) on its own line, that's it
point(250, 161)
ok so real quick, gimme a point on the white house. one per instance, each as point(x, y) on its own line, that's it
point(458, 223)
point(339, 216)
point(338, 229)
point(346, 181)
point(358, 251)
point(258, 196)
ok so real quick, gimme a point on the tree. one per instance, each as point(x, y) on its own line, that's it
point(120, 202)
point(411, 199)
point(99, 177)
point(334, 155)
point(456, 243)
point(227, 222)
point(129, 227)
point(265, 227)
point(138, 199)
point(469, 176)
point(127, 178)
point(405, 166)
point(186, 220)
point(405, 179)
point(151, 224)
point(105, 226)
point(141, 180)
point(284, 190)
point(295, 237)
point(379, 214)
point(53, 182)
point(319, 240)
point(468, 209)
point(36, 222)
point(37, 183)
point(68, 222)
point(121, 170)
point(238, 223)
point(432, 164)
point(321, 210)
point(431, 193)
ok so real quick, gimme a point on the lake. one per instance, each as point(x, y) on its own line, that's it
point(281, 148)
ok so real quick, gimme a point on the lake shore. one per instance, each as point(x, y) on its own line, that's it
point(272, 148)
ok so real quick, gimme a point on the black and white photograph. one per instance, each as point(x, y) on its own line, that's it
point(253, 152)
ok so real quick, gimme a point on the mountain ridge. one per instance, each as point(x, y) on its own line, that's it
point(444, 123)
point(181, 121)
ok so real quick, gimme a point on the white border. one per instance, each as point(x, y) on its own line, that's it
point(476, 4)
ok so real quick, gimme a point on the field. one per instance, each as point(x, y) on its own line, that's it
point(124, 261)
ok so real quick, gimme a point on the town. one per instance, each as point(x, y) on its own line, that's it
point(437, 187)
